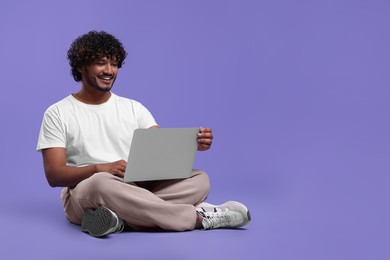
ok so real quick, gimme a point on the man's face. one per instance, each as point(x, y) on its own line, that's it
point(100, 74)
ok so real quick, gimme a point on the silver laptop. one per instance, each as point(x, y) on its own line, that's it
point(161, 154)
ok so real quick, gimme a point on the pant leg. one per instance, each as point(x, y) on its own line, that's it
point(193, 190)
point(136, 206)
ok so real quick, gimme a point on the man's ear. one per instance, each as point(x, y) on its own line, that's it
point(81, 69)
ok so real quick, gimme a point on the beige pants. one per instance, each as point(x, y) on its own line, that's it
point(167, 205)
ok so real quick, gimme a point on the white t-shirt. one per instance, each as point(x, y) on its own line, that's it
point(93, 134)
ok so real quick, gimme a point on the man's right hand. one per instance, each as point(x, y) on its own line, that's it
point(117, 168)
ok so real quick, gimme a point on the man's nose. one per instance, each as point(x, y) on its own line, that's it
point(108, 69)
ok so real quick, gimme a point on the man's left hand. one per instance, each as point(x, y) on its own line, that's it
point(205, 139)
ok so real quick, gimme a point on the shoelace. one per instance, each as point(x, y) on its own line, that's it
point(215, 219)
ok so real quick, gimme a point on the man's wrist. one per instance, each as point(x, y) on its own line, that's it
point(96, 168)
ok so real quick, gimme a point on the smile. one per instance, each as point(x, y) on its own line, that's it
point(107, 78)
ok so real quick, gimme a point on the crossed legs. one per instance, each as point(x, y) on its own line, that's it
point(167, 205)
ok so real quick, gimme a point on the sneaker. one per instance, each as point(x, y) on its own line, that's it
point(231, 214)
point(101, 222)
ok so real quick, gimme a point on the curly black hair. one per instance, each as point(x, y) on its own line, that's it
point(92, 46)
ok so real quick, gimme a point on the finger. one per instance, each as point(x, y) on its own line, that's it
point(205, 141)
point(205, 130)
point(205, 136)
point(120, 173)
point(203, 147)
point(121, 163)
point(209, 139)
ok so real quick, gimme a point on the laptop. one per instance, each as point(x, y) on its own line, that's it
point(161, 154)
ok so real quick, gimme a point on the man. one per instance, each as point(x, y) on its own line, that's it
point(85, 139)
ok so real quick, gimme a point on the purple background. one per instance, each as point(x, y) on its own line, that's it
point(297, 93)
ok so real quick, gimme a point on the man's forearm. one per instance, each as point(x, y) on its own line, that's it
point(69, 176)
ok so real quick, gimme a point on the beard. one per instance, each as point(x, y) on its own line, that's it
point(93, 83)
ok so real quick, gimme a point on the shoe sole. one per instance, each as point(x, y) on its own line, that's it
point(98, 222)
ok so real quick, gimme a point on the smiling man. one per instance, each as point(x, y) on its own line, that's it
point(85, 139)
point(101, 74)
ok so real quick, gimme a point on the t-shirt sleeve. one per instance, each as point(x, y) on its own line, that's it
point(52, 132)
point(144, 117)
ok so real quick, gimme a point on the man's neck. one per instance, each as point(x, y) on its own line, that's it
point(92, 97)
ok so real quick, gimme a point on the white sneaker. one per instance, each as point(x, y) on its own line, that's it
point(231, 214)
point(101, 222)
